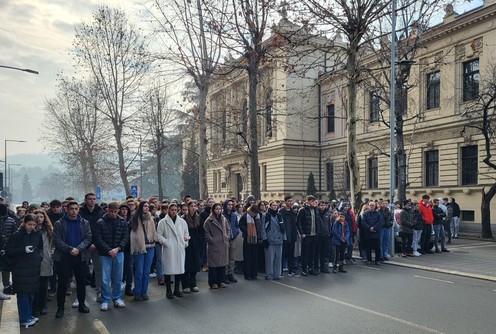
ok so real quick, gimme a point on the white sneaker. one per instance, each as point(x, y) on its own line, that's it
point(3, 296)
point(153, 275)
point(329, 265)
point(104, 307)
point(119, 303)
point(416, 253)
point(75, 304)
point(28, 324)
point(35, 319)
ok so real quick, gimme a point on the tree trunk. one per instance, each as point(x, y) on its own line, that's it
point(92, 168)
point(252, 115)
point(120, 155)
point(202, 145)
point(354, 166)
point(486, 212)
point(159, 176)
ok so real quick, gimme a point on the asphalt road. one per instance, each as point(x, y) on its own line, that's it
point(368, 299)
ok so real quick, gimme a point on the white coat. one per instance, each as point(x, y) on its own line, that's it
point(171, 237)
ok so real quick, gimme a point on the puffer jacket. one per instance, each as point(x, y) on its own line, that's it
point(27, 266)
point(289, 219)
point(304, 221)
point(110, 233)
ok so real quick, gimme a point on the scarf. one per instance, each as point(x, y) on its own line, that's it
point(137, 238)
point(251, 229)
point(342, 229)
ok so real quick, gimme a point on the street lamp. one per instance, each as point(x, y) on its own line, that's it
point(5, 160)
point(20, 69)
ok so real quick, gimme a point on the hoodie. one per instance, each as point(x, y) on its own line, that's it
point(232, 220)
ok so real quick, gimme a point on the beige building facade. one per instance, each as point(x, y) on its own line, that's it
point(302, 124)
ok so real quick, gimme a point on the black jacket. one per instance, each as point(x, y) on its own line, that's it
point(27, 267)
point(289, 219)
point(110, 233)
point(92, 216)
point(372, 219)
point(325, 224)
point(304, 220)
point(438, 214)
point(59, 237)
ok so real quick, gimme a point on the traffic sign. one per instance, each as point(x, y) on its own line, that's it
point(98, 192)
point(134, 191)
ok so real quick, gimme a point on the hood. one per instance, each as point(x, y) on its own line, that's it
point(224, 208)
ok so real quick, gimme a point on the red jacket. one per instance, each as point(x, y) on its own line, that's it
point(426, 212)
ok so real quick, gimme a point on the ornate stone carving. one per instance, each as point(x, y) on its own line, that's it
point(459, 52)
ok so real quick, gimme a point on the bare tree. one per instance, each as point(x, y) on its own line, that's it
point(352, 19)
point(192, 39)
point(162, 122)
point(482, 118)
point(77, 133)
point(413, 20)
point(250, 27)
point(114, 53)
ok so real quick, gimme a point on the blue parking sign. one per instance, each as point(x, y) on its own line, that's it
point(98, 192)
point(134, 191)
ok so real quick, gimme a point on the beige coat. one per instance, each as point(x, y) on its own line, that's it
point(217, 239)
point(171, 237)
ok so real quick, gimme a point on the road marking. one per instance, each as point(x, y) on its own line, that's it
point(369, 267)
point(434, 279)
point(100, 327)
point(363, 309)
point(475, 246)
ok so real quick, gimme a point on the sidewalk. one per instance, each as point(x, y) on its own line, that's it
point(9, 318)
point(468, 257)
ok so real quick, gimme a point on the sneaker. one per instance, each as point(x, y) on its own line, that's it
point(153, 275)
point(222, 285)
point(330, 265)
point(145, 297)
point(75, 304)
point(195, 289)
point(416, 253)
point(104, 307)
point(445, 250)
point(28, 324)
point(285, 269)
point(119, 303)
point(35, 319)
point(187, 290)
point(215, 286)
point(3, 296)
point(293, 275)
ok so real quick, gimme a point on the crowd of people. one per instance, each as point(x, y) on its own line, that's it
point(45, 248)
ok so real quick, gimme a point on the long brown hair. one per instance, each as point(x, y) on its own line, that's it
point(46, 224)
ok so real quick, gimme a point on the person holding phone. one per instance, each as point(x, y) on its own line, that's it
point(23, 247)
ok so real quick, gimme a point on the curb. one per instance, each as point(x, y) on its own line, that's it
point(10, 317)
point(444, 271)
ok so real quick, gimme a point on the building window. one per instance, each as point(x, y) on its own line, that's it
point(432, 168)
point(373, 174)
point(469, 162)
point(374, 107)
point(330, 176)
point(471, 78)
point(467, 215)
point(433, 89)
point(330, 118)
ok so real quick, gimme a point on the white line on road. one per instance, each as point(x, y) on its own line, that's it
point(100, 327)
point(363, 309)
point(434, 279)
point(370, 268)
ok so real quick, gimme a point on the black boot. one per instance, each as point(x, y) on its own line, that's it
point(168, 287)
point(177, 292)
point(341, 269)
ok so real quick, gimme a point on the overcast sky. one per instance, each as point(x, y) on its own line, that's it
point(37, 34)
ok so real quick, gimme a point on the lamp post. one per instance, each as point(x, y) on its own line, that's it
point(20, 69)
point(392, 125)
point(5, 159)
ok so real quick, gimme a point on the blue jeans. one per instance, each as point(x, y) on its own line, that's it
point(439, 236)
point(385, 233)
point(24, 306)
point(112, 269)
point(142, 266)
point(158, 265)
